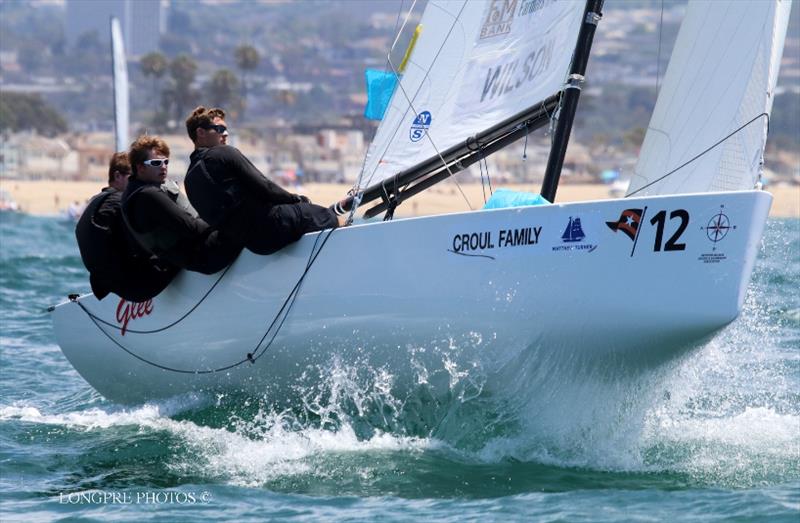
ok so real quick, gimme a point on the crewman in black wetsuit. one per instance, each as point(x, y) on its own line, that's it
point(163, 222)
point(230, 193)
point(114, 262)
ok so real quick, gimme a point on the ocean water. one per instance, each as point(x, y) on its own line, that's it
point(714, 436)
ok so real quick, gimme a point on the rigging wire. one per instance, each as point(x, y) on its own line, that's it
point(396, 23)
point(488, 178)
point(658, 56)
point(358, 187)
point(525, 147)
point(356, 191)
point(483, 184)
point(410, 102)
point(257, 352)
point(762, 115)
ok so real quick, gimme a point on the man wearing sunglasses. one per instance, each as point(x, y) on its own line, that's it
point(114, 262)
point(161, 219)
point(231, 194)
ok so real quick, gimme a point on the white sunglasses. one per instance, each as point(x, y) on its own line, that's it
point(156, 163)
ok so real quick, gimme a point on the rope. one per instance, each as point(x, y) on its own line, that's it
point(484, 164)
point(414, 110)
point(483, 184)
point(525, 147)
point(488, 178)
point(251, 356)
point(104, 322)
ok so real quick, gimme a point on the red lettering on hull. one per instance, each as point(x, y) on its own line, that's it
point(127, 311)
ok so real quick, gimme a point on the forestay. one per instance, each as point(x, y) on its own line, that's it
point(709, 126)
point(120, 74)
point(475, 64)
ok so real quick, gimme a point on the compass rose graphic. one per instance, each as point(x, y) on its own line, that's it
point(718, 227)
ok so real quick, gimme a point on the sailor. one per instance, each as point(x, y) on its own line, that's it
point(162, 221)
point(114, 262)
point(230, 193)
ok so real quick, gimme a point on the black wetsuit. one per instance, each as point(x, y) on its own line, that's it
point(114, 262)
point(230, 193)
point(170, 232)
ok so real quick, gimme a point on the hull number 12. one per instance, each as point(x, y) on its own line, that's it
point(660, 219)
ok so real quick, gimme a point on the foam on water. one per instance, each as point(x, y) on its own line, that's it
point(727, 414)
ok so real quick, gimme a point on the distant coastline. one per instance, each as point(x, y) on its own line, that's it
point(50, 197)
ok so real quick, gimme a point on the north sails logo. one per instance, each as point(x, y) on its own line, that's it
point(420, 126)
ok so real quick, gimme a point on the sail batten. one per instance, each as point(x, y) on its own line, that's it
point(708, 129)
point(487, 61)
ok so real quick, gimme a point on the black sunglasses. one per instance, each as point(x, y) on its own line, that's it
point(221, 129)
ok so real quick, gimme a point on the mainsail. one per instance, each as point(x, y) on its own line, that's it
point(708, 129)
point(476, 63)
point(120, 76)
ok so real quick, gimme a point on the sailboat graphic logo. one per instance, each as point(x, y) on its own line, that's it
point(574, 231)
point(573, 236)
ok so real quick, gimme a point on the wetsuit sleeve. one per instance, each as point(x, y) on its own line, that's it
point(155, 209)
point(252, 180)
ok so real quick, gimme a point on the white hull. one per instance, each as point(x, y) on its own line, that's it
point(394, 295)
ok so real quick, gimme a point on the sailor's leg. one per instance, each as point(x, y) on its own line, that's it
point(285, 224)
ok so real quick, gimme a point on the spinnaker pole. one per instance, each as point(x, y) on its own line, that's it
point(572, 92)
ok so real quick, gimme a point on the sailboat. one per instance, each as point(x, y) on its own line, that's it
point(638, 280)
point(573, 232)
point(119, 66)
point(119, 74)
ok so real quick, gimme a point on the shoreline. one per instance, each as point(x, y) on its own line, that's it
point(51, 197)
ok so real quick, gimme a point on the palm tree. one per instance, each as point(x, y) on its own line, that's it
point(223, 88)
point(182, 70)
point(247, 59)
point(154, 65)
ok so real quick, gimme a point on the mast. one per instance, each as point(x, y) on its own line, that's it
point(541, 43)
point(119, 80)
point(572, 93)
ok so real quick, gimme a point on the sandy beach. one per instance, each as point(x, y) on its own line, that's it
point(47, 197)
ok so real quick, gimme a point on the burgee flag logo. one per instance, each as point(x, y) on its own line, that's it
point(628, 222)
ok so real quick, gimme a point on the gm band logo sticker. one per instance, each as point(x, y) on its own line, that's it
point(498, 18)
point(420, 126)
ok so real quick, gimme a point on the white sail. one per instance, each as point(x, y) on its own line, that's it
point(708, 129)
point(475, 64)
point(120, 74)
